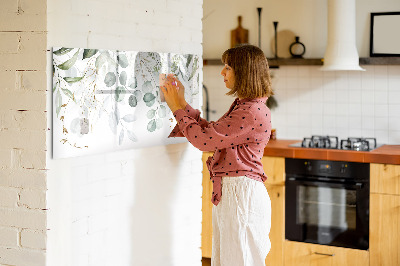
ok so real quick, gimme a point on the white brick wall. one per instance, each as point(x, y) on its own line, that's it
point(133, 207)
point(23, 126)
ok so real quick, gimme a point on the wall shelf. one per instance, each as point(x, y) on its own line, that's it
point(274, 63)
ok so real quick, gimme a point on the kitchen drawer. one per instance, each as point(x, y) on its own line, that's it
point(305, 254)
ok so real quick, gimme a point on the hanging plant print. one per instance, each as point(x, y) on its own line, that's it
point(105, 100)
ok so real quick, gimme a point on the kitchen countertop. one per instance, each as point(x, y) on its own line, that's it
point(389, 154)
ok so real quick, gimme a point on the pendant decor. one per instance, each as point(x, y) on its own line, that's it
point(107, 100)
point(297, 49)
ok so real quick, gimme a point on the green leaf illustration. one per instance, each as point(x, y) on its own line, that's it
point(68, 93)
point(133, 84)
point(151, 126)
point(129, 118)
point(138, 95)
point(122, 78)
point(69, 63)
point(189, 59)
point(195, 67)
point(100, 60)
point(147, 87)
point(121, 136)
point(151, 113)
point(110, 79)
point(62, 51)
point(120, 93)
point(132, 101)
point(72, 79)
point(162, 112)
point(149, 99)
point(122, 60)
point(87, 53)
point(131, 136)
point(58, 102)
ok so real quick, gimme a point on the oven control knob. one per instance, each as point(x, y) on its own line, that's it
point(343, 168)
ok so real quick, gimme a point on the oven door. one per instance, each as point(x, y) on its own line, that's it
point(327, 213)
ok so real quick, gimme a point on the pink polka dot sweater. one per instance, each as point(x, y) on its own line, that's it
point(238, 139)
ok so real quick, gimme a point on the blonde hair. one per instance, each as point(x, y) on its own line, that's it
point(250, 66)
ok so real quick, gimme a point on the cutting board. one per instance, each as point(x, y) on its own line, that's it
point(239, 35)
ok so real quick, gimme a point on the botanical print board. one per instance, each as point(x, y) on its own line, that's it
point(107, 100)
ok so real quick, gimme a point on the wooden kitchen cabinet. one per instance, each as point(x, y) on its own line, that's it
point(305, 254)
point(384, 236)
point(206, 225)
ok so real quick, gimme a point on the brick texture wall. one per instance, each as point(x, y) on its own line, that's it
point(133, 207)
point(23, 39)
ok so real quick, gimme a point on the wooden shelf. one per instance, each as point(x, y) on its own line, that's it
point(274, 63)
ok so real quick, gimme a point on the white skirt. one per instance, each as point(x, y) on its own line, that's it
point(241, 223)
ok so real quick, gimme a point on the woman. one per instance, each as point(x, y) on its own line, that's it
point(242, 208)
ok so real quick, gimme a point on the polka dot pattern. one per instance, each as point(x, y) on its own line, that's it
point(238, 139)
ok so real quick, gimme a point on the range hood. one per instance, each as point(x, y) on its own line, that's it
point(341, 51)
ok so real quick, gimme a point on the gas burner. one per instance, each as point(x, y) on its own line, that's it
point(327, 142)
point(358, 144)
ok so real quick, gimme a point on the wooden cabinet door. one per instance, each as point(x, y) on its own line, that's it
point(384, 236)
point(277, 233)
point(274, 168)
point(305, 254)
point(206, 232)
point(385, 178)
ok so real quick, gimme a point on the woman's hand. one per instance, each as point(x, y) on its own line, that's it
point(172, 93)
point(181, 90)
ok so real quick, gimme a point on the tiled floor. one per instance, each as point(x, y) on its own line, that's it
point(206, 261)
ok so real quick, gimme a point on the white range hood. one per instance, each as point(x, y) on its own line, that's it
point(341, 51)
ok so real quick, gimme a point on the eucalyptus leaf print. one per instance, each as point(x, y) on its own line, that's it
point(107, 99)
point(121, 136)
point(72, 79)
point(132, 136)
point(149, 99)
point(62, 51)
point(69, 63)
point(122, 60)
point(129, 118)
point(110, 79)
point(122, 78)
point(151, 113)
point(119, 93)
point(147, 87)
point(87, 53)
point(162, 111)
point(152, 125)
point(132, 101)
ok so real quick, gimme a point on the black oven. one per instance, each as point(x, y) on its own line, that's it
point(327, 202)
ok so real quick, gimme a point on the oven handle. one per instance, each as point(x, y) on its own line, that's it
point(357, 185)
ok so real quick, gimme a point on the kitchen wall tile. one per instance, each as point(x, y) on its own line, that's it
point(304, 72)
point(315, 72)
point(382, 110)
point(291, 71)
point(329, 109)
point(367, 133)
point(380, 84)
point(394, 123)
point(342, 109)
point(367, 96)
point(329, 122)
point(381, 123)
point(394, 110)
point(328, 74)
point(394, 97)
point(342, 96)
point(394, 137)
point(394, 82)
point(355, 122)
point(304, 82)
point(367, 82)
point(355, 132)
point(380, 71)
point(367, 110)
point(368, 122)
point(342, 122)
point(292, 83)
point(382, 136)
point(393, 71)
point(354, 80)
point(342, 80)
point(355, 109)
point(381, 97)
point(355, 96)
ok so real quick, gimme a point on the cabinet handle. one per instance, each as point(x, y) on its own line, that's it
point(325, 254)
